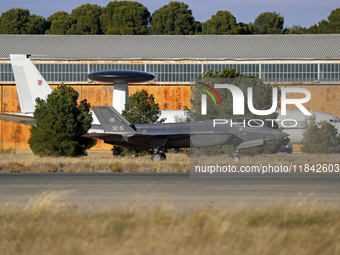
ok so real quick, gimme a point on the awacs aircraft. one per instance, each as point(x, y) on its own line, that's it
point(296, 128)
point(113, 128)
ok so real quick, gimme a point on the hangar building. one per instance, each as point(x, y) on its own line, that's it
point(310, 61)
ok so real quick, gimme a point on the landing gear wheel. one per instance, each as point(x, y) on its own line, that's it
point(157, 157)
point(163, 156)
point(236, 158)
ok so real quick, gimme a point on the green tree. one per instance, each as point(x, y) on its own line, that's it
point(262, 100)
point(334, 21)
point(174, 18)
point(224, 23)
point(87, 19)
point(262, 95)
point(61, 23)
point(124, 18)
point(37, 25)
point(321, 137)
point(20, 21)
point(142, 109)
point(60, 124)
point(269, 23)
point(330, 26)
point(321, 28)
point(297, 30)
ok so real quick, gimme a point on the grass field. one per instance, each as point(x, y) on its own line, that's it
point(94, 162)
point(43, 228)
point(180, 162)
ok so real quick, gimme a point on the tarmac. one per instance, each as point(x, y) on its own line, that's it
point(107, 191)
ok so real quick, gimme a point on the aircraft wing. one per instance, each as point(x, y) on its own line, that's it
point(164, 140)
point(18, 118)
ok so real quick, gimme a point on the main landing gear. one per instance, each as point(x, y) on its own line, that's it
point(158, 155)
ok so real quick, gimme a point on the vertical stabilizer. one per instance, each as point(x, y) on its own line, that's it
point(111, 120)
point(30, 83)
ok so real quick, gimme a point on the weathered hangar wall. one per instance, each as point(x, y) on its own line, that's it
point(325, 98)
point(169, 97)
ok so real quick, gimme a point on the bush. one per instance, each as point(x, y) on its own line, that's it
point(60, 124)
point(321, 137)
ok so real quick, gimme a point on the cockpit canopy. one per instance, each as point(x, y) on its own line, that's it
point(335, 120)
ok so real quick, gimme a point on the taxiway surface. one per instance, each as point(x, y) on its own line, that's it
point(103, 191)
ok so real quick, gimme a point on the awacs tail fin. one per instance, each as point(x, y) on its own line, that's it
point(30, 83)
point(111, 121)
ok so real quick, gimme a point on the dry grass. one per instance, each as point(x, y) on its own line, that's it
point(180, 162)
point(281, 230)
point(94, 162)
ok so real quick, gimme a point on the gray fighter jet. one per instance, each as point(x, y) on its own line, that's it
point(116, 130)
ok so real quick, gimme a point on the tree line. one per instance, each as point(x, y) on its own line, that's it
point(132, 18)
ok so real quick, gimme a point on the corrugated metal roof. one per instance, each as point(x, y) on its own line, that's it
point(162, 47)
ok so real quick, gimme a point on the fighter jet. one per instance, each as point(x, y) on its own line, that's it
point(116, 130)
point(109, 125)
